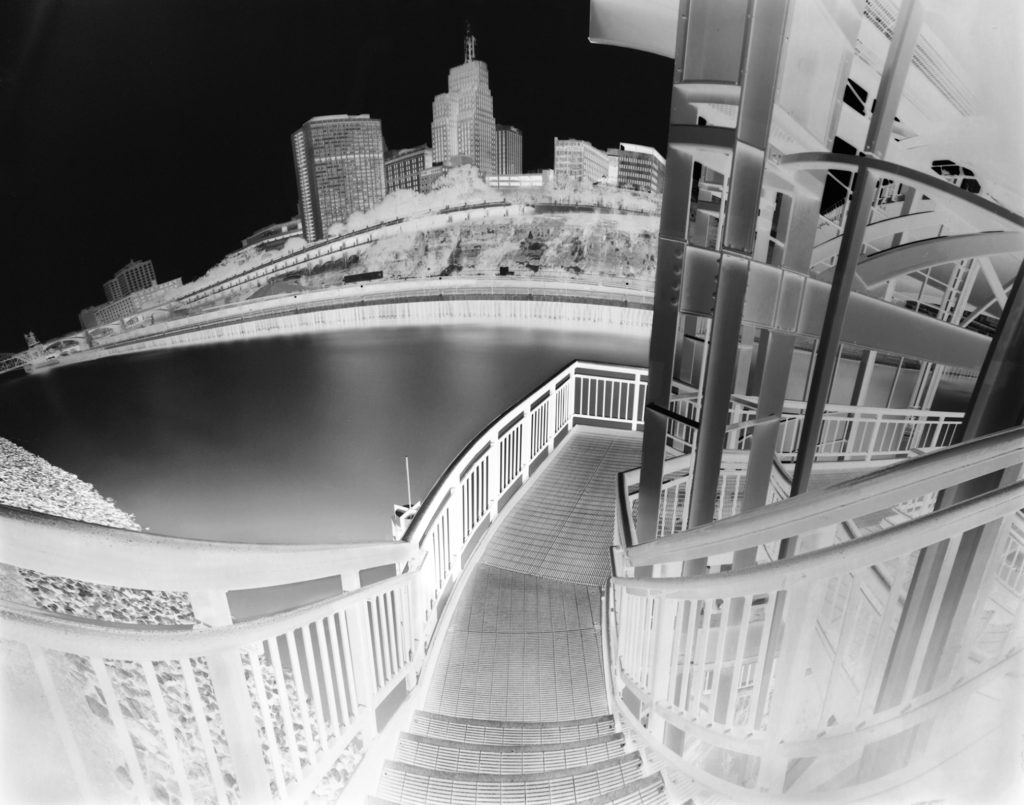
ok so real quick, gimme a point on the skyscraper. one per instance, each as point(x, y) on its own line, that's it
point(510, 150)
point(339, 169)
point(462, 130)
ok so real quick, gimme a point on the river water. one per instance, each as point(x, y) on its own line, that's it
point(289, 439)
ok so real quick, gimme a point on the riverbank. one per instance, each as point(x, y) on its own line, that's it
point(569, 305)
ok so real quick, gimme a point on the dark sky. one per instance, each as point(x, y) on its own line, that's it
point(160, 128)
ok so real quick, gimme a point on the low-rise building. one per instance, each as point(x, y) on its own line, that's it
point(640, 168)
point(403, 169)
point(135, 302)
point(579, 161)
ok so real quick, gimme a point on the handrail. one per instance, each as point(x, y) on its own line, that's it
point(293, 690)
point(106, 555)
point(865, 551)
point(160, 643)
point(843, 501)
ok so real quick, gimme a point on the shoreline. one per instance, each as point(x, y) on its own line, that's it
point(561, 305)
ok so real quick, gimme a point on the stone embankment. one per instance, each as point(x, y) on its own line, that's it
point(29, 482)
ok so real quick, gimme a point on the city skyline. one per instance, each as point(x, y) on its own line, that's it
point(179, 142)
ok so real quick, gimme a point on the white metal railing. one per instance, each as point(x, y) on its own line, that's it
point(767, 680)
point(222, 711)
point(853, 433)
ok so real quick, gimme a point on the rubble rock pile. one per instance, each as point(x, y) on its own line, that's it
point(30, 482)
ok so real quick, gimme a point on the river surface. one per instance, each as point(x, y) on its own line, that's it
point(290, 439)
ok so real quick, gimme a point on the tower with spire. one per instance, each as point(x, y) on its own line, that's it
point(469, 46)
point(462, 131)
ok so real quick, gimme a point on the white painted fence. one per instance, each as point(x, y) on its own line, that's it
point(766, 681)
point(853, 433)
point(224, 711)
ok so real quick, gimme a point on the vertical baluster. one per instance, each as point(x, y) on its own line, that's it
point(380, 670)
point(163, 720)
point(636, 635)
point(124, 740)
point(60, 717)
point(390, 623)
point(345, 694)
point(690, 642)
point(678, 627)
point(276, 763)
point(300, 690)
point(287, 717)
point(314, 683)
point(723, 631)
point(701, 658)
point(758, 702)
point(746, 613)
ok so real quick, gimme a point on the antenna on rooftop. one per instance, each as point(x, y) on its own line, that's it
point(469, 45)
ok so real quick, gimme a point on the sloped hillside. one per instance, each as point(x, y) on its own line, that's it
point(554, 246)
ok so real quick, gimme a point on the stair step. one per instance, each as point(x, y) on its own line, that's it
point(481, 731)
point(649, 790)
point(446, 755)
point(410, 785)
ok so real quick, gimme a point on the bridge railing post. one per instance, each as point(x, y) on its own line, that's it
point(232, 693)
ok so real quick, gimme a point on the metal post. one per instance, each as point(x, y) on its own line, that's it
point(897, 65)
point(995, 405)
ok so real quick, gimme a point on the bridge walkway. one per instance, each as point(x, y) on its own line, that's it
point(517, 709)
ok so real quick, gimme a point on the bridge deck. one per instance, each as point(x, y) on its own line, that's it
point(524, 644)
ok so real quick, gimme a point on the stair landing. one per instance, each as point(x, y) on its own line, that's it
point(524, 643)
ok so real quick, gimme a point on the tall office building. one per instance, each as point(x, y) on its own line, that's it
point(463, 130)
point(579, 161)
point(136, 275)
point(510, 150)
point(339, 169)
point(641, 168)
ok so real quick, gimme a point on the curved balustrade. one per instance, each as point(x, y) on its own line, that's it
point(222, 711)
point(767, 680)
point(852, 432)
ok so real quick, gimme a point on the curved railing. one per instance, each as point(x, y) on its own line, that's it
point(852, 432)
point(768, 680)
point(214, 710)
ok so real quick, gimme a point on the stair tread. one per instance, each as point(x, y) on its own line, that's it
point(441, 754)
point(649, 790)
point(631, 758)
point(485, 731)
point(403, 783)
point(499, 722)
point(593, 740)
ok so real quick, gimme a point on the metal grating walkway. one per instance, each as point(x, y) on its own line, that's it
point(561, 527)
point(524, 644)
point(517, 710)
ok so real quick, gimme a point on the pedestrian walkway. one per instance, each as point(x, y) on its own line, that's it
point(517, 709)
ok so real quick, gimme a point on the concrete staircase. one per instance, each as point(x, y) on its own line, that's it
point(444, 760)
